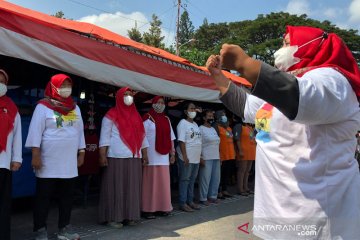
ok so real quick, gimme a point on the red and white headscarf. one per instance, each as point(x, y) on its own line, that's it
point(328, 50)
point(8, 111)
point(128, 121)
point(163, 142)
point(52, 98)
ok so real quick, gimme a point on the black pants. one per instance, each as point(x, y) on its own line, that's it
point(45, 188)
point(227, 169)
point(5, 203)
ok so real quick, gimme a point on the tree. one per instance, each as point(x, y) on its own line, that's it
point(59, 14)
point(135, 34)
point(153, 36)
point(186, 28)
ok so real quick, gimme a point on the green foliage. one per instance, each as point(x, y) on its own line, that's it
point(135, 34)
point(59, 14)
point(153, 36)
point(186, 28)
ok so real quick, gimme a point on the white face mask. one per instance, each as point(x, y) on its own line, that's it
point(158, 107)
point(65, 92)
point(192, 115)
point(3, 89)
point(128, 100)
point(284, 58)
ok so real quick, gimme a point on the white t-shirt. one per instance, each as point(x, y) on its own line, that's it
point(109, 137)
point(59, 138)
point(156, 158)
point(190, 134)
point(306, 173)
point(13, 147)
point(210, 143)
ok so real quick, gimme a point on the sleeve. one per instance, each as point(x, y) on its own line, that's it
point(234, 99)
point(145, 142)
point(17, 141)
point(37, 127)
point(326, 97)
point(82, 144)
point(181, 131)
point(278, 88)
point(237, 131)
point(105, 133)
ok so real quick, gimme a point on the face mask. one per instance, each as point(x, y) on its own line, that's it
point(192, 115)
point(128, 100)
point(3, 89)
point(210, 121)
point(284, 58)
point(159, 108)
point(65, 92)
point(224, 119)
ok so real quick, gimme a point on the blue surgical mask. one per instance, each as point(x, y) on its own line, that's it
point(223, 119)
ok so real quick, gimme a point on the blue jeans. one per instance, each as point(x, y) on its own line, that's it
point(187, 177)
point(209, 179)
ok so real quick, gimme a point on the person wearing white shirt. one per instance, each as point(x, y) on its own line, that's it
point(189, 151)
point(56, 136)
point(306, 112)
point(156, 192)
point(123, 151)
point(209, 174)
point(10, 153)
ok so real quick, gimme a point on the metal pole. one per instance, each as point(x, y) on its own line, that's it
point(177, 28)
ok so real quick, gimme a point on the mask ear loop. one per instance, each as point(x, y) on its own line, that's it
point(323, 37)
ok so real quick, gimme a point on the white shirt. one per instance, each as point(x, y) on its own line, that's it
point(210, 143)
point(190, 134)
point(13, 147)
point(59, 138)
point(110, 137)
point(154, 157)
point(306, 173)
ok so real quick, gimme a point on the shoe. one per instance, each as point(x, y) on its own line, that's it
point(164, 214)
point(41, 234)
point(67, 233)
point(205, 203)
point(186, 208)
point(130, 222)
point(213, 200)
point(227, 195)
point(220, 196)
point(245, 194)
point(194, 206)
point(250, 192)
point(115, 224)
point(150, 216)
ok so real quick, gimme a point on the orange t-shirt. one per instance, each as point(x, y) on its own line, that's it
point(227, 148)
point(248, 144)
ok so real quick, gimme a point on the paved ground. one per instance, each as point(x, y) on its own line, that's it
point(210, 223)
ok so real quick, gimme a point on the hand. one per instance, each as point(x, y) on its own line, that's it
point(103, 161)
point(36, 162)
point(15, 166)
point(145, 160)
point(186, 161)
point(172, 159)
point(80, 160)
point(213, 64)
point(233, 57)
point(202, 162)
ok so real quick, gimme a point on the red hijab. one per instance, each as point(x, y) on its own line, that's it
point(52, 98)
point(128, 121)
point(327, 51)
point(8, 111)
point(162, 125)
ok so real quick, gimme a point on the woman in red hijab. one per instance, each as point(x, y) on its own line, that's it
point(123, 151)
point(56, 137)
point(156, 194)
point(306, 113)
point(10, 152)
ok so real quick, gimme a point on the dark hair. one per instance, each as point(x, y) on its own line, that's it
point(186, 105)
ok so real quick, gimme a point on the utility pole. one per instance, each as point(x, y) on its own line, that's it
point(177, 28)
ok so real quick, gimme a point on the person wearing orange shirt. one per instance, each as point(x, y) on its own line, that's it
point(227, 152)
